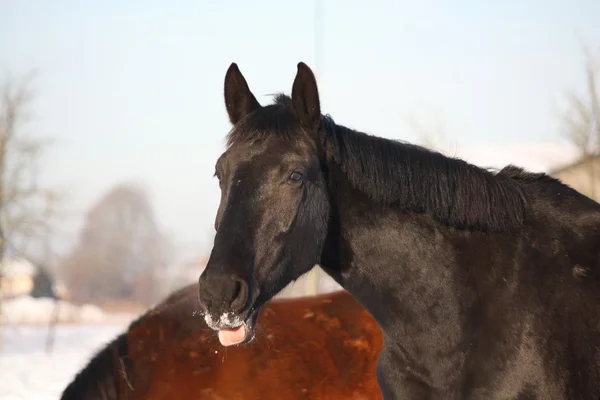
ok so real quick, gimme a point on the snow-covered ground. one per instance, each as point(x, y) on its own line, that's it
point(27, 310)
point(28, 373)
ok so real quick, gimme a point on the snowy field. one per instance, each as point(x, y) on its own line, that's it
point(28, 373)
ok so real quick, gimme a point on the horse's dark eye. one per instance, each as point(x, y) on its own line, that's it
point(296, 176)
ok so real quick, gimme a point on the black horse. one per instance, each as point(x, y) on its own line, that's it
point(485, 283)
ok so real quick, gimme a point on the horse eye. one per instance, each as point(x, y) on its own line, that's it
point(296, 176)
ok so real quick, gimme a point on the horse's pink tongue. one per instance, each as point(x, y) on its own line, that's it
point(229, 337)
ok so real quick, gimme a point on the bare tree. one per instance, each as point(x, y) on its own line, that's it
point(121, 251)
point(27, 208)
point(581, 119)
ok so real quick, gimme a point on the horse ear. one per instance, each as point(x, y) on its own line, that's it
point(239, 100)
point(305, 97)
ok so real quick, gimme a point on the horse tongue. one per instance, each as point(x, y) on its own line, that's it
point(229, 337)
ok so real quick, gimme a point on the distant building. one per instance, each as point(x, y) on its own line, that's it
point(19, 276)
point(581, 175)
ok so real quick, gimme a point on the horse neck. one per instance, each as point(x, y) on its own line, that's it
point(388, 255)
point(398, 214)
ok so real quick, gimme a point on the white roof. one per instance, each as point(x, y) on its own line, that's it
point(16, 266)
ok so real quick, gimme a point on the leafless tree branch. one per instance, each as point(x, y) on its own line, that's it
point(580, 120)
point(27, 208)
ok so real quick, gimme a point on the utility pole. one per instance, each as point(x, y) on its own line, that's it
point(312, 277)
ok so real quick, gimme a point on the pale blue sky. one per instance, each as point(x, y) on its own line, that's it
point(133, 89)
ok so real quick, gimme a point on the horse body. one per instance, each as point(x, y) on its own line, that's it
point(479, 315)
point(485, 285)
point(321, 347)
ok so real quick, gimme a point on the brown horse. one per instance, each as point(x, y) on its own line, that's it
point(319, 347)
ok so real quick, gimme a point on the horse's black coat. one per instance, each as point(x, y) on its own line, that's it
point(486, 285)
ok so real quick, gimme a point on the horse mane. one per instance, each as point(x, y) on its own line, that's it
point(402, 175)
point(98, 380)
point(518, 173)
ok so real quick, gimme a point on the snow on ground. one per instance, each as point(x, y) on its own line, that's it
point(28, 373)
point(27, 310)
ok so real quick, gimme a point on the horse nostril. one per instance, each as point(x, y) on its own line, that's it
point(240, 295)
